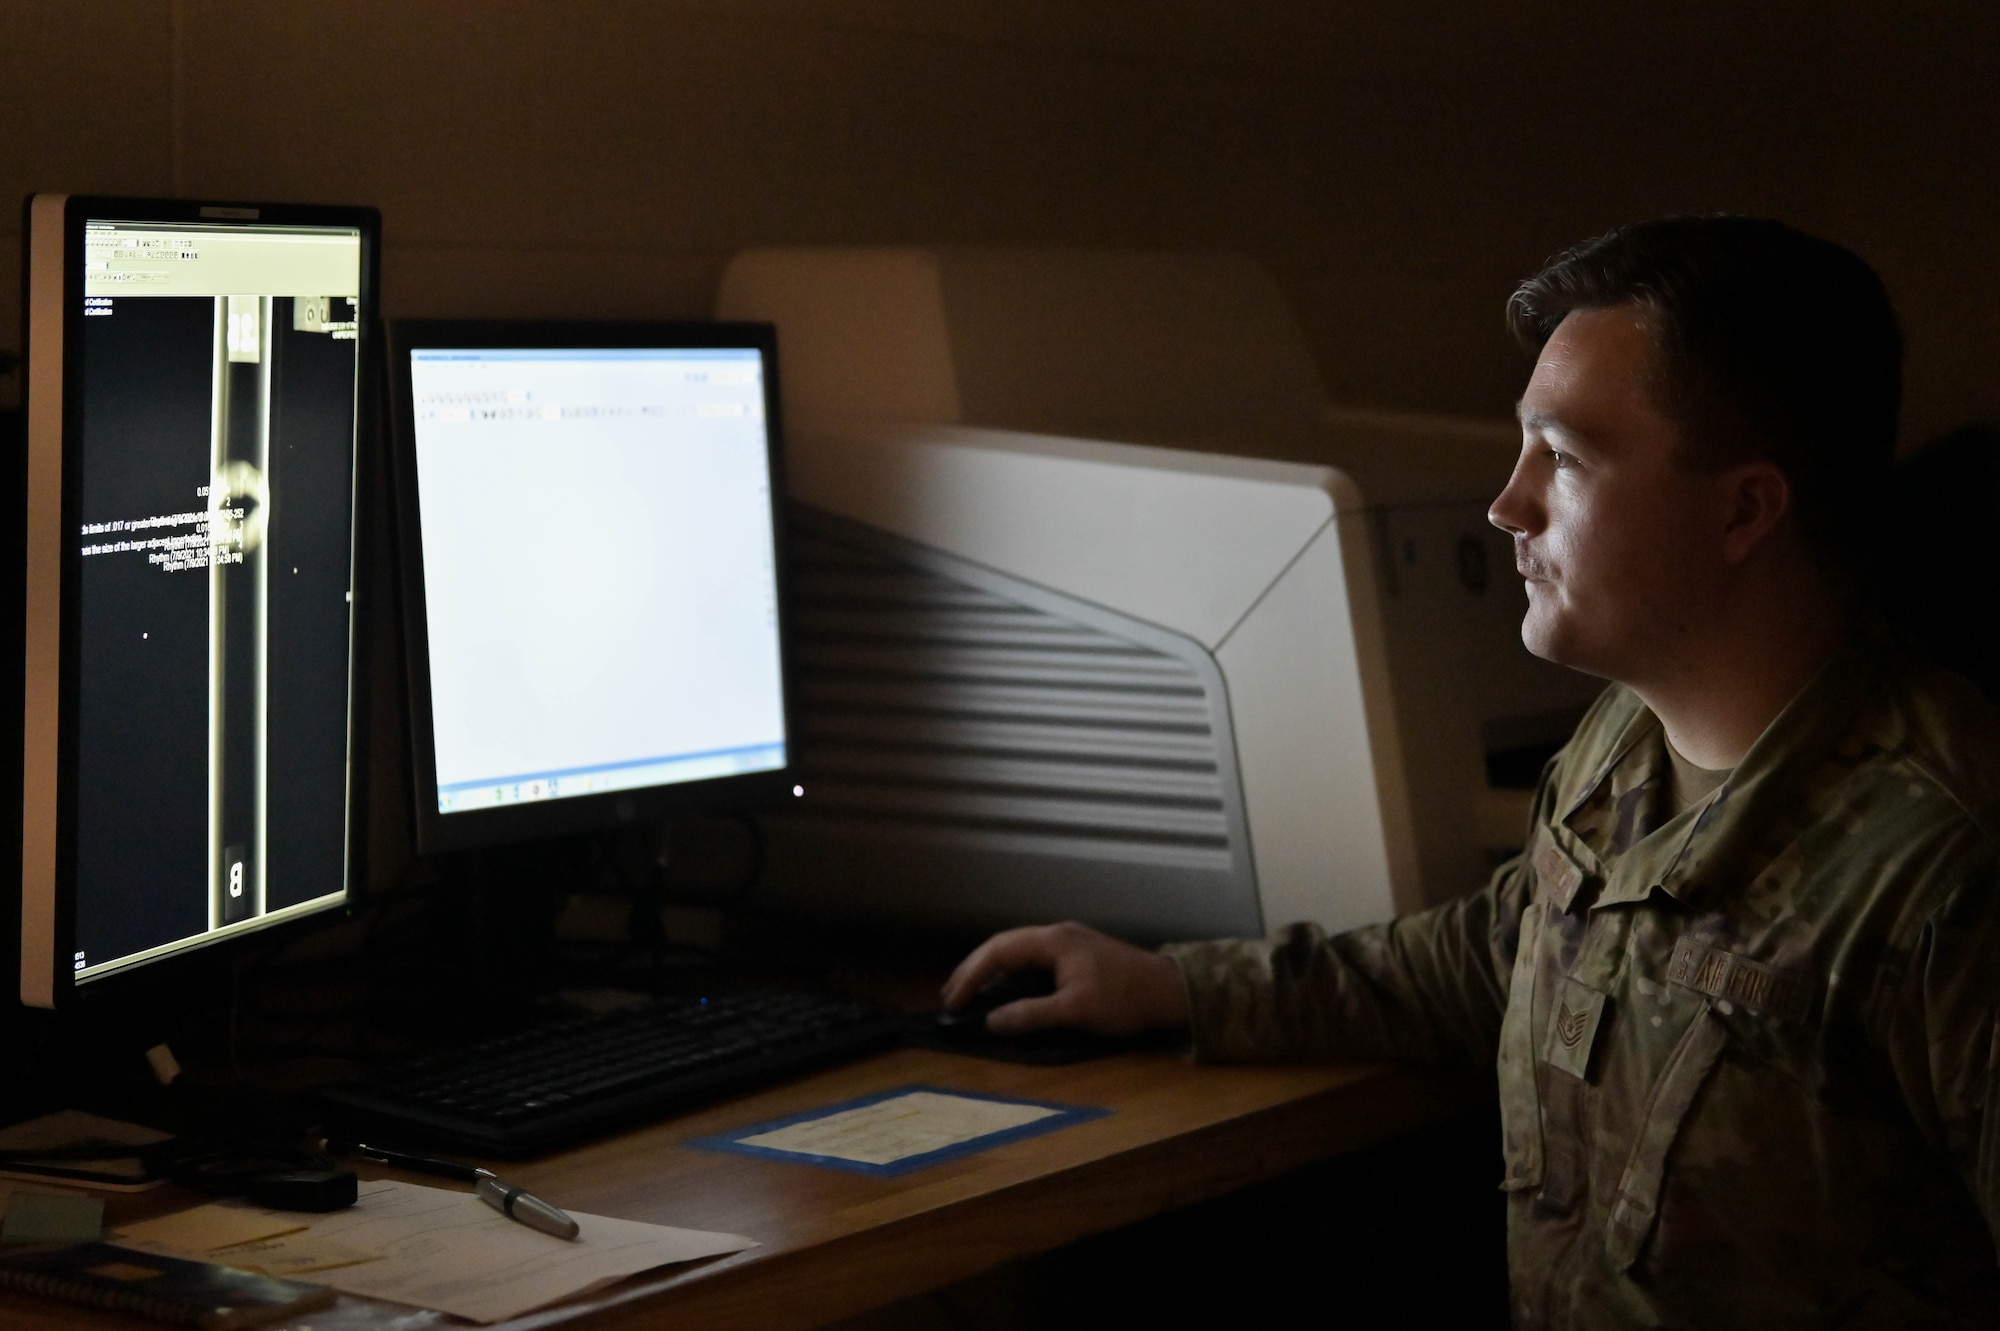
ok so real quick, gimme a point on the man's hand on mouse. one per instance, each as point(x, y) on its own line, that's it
point(1102, 985)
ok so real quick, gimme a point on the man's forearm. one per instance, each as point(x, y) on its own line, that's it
point(1419, 988)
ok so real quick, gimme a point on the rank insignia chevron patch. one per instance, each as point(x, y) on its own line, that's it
point(1573, 1027)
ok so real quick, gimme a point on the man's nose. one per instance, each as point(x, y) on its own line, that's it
point(1514, 510)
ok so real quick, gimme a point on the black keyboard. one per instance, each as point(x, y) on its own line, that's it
point(563, 1081)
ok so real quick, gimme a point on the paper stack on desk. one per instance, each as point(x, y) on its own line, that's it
point(430, 1247)
point(120, 1170)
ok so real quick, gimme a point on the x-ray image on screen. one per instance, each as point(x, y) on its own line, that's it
point(216, 543)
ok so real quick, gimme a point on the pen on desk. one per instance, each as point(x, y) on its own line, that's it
point(512, 1202)
point(518, 1204)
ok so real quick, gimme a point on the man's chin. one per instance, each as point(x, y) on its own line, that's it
point(1547, 641)
point(1539, 636)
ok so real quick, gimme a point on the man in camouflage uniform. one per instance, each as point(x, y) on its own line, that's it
point(1740, 990)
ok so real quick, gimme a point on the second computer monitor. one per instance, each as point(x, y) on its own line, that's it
point(592, 576)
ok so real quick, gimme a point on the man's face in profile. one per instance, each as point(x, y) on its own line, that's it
point(1617, 538)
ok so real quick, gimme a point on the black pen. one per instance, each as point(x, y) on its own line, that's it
point(512, 1202)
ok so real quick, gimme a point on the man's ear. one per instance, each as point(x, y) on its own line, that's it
point(1756, 496)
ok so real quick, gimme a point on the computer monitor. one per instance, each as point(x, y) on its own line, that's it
point(592, 577)
point(195, 409)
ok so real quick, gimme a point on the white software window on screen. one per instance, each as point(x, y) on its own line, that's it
point(598, 570)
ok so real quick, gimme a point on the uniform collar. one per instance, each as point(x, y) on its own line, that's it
point(1690, 856)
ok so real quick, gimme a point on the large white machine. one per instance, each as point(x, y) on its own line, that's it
point(1104, 613)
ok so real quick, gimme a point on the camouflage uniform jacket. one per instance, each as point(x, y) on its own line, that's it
point(1744, 1052)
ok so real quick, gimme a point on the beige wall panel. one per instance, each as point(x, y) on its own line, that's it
point(445, 282)
point(86, 102)
point(734, 132)
point(1299, 37)
point(86, 106)
point(428, 111)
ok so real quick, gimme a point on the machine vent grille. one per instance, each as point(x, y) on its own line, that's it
point(928, 702)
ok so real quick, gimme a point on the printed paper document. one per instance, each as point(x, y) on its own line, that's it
point(913, 1124)
point(436, 1248)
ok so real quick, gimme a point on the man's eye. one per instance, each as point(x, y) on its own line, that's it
point(1561, 460)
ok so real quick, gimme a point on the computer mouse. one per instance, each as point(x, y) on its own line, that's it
point(1009, 988)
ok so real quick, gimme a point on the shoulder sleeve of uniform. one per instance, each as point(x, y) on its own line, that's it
point(1951, 732)
point(1424, 987)
point(1943, 1033)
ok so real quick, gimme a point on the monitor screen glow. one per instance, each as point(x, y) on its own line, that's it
point(599, 571)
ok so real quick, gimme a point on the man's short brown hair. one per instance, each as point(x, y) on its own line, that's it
point(1772, 344)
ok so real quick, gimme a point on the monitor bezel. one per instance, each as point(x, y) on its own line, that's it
point(477, 828)
point(50, 768)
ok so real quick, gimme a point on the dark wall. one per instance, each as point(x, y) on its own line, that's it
point(1397, 166)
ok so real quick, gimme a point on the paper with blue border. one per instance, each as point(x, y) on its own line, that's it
point(1056, 1116)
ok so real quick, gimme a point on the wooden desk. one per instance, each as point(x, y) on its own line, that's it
point(836, 1244)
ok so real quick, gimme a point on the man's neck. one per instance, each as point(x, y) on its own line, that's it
point(1715, 705)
